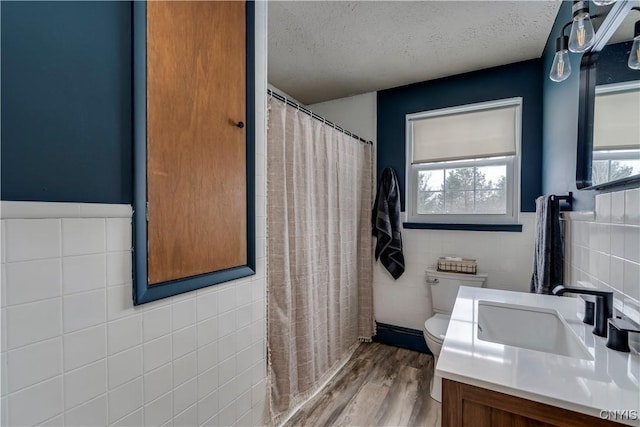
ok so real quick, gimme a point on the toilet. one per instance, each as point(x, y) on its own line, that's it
point(444, 288)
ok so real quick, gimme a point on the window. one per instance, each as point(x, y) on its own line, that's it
point(616, 132)
point(463, 164)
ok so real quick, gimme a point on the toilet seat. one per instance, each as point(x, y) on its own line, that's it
point(436, 326)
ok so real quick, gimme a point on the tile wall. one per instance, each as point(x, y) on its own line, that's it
point(76, 352)
point(603, 248)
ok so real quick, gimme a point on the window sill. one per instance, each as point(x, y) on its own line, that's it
point(514, 228)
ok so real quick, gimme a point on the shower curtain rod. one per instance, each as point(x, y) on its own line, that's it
point(315, 116)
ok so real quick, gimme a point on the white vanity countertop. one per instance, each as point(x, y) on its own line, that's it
point(611, 381)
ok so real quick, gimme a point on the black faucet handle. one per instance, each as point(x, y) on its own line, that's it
point(589, 312)
point(619, 334)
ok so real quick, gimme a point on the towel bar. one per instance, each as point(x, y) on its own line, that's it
point(568, 198)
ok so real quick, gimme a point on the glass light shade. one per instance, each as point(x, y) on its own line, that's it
point(603, 2)
point(634, 56)
point(582, 35)
point(561, 67)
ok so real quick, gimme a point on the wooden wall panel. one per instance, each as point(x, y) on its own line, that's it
point(196, 155)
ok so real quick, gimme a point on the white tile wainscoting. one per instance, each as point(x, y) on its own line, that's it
point(75, 351)
point(603, 248)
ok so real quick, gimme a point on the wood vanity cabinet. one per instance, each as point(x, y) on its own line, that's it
point(464, 405)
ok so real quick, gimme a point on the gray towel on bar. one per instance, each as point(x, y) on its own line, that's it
point(548, 255)
point(386, 224)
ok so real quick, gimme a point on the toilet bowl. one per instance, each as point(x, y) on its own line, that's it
point(444, 289)
point(434, 331)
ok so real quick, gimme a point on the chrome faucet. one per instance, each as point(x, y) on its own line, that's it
point(604, 305)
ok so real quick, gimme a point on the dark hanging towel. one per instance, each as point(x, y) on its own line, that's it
point(548, 255)
point(386, 224)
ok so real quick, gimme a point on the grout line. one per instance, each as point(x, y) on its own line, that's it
point(189, 407)
point(33, 302)
point(62, 372)
point(210, 418)
point(87, 364)
point(171, 332)
point(61, 277)
point(86, 403)
point(52, 418)
point(23, 389)
point(123, 417)
point(61, 256)
point(106, 324)
point(198, 360)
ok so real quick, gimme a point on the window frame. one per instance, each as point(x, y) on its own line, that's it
point(513, 163)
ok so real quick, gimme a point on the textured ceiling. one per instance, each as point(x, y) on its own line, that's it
point(322, 50)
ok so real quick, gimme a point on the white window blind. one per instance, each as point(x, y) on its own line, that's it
point(475, 134)
point(616, 123)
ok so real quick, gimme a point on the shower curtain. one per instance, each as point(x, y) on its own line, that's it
point(319, 272)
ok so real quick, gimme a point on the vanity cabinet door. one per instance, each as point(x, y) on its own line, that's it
point(196, 151)
point(464, 405)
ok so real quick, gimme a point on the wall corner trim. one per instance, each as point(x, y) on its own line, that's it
point(43, 210)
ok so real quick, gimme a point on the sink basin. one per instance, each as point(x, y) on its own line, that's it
point(533, 328)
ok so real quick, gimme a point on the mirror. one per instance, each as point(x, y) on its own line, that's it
point(609, 130)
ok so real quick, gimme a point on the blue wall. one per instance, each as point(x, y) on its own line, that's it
point(522, 79)
point(560, 123)
point(66, 101)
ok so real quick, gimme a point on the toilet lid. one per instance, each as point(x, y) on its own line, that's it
point(436, 326)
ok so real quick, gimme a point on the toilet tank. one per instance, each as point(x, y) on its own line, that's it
point(444, 287)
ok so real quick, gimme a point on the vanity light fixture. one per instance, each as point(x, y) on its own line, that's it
point(580, 39)
point(634, 55)
point(582, 35)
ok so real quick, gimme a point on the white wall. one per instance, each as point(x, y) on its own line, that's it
point(356, 113)
point(75, 351)
point(604, 248)
point(506, 257)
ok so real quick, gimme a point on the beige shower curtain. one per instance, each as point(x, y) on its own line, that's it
point(319, 273)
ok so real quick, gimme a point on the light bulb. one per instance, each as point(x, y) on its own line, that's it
point(603, 2)
point(561, 67)
point(634, 56)
point(582, 35)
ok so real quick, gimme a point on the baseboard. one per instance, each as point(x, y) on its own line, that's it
point(399, 336)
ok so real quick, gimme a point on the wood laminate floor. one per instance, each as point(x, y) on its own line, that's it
point(379, 386)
